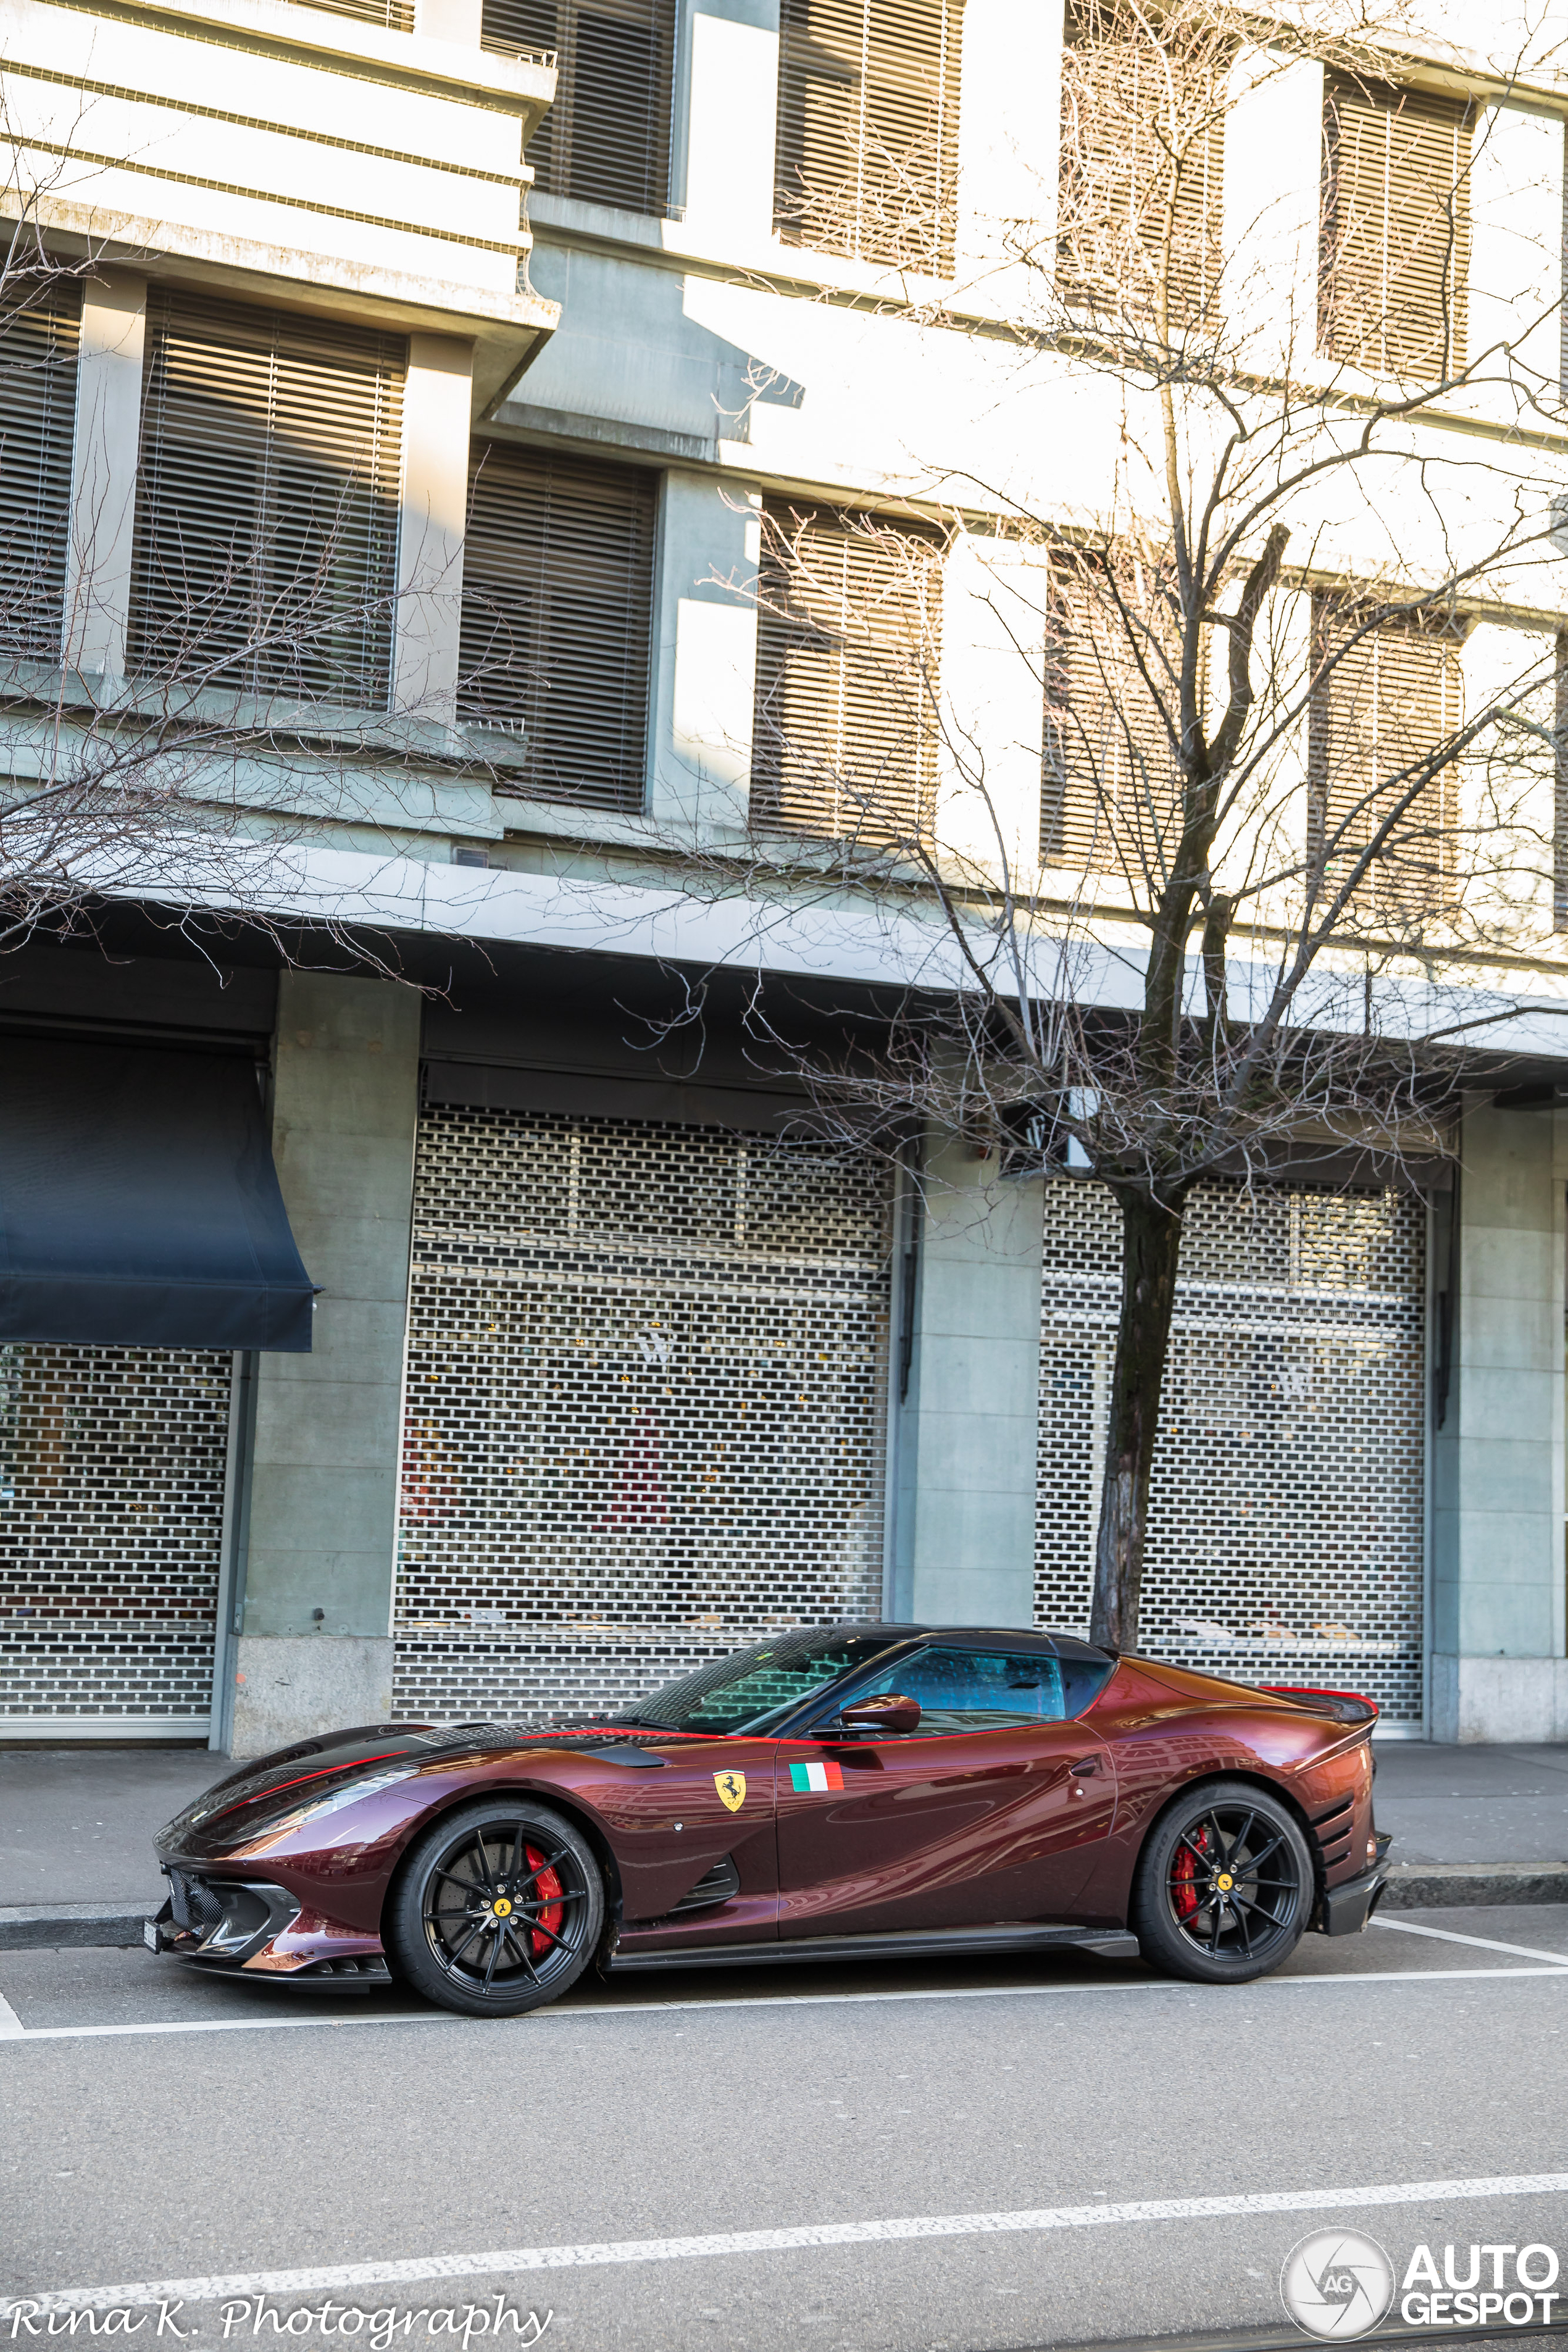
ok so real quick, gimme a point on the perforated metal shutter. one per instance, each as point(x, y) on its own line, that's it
point(1285, 1519)
point(848, 639)
point(867, 160)
point(1395, 255)
point(644, 1421)
point(111, 1484)
point(1142, 135)
point(557, 618)
point(606, 140)
point(38, 343)
point(1393, 700)
point(1111, 787)
point(266, 550)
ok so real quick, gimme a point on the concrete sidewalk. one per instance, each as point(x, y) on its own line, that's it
point(1469, 1825)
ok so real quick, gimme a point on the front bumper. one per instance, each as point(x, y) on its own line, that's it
point(1346, 1909)
point(251, 1928)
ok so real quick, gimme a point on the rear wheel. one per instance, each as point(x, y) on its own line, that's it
point(498, 1909)
point(1224, 1885)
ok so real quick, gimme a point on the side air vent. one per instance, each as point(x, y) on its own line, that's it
point(193, 1904)
point(717, 1885)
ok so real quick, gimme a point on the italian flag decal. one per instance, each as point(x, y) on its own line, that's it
point(805, 1776)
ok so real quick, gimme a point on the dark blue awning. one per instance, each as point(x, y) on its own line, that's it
point(139, 1204)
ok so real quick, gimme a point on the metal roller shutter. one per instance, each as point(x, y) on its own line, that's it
point(849, 638)
point(646, 1404)
point(557, 616)
point(868, 128)
point(1391, 700)
point(1139, 135)
point(605, 141)
point(1285, 1531)
point(38, 343)
point(267, 505)
point(111, 1494)
point(1394, 264)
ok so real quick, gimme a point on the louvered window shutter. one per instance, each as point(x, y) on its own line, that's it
point(267, 503)
point(848, 632)
point(395, 16)
point(1111, 798)
point(868, 128)
point(557, 619)
point(1391, 700)
point(38, 424)
point(1559, 826)
point(1140, 133)
point(605, 141)
point(1394, 263)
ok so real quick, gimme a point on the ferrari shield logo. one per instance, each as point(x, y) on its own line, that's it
point(732, 1787)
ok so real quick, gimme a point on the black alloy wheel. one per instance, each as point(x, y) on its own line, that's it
point(1225, 1885)
point(498, 1909)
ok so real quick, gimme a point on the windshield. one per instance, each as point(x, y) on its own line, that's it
point(756, 1688)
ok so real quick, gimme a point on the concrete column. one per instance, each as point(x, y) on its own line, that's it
point(705, 654)
point(1497, 1669)
point(436, 404)
point(732, 111)
point(968, 1430)
point(104, 472)
point(459, 21)
point(316, 1647)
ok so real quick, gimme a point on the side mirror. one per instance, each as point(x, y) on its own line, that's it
point(886, 1712)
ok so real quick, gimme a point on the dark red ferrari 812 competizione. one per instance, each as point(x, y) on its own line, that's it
point(849, 1791)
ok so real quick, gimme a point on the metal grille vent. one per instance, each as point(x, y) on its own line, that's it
point(848, 627)
point(1286, 1530)
point(646, 1392)
point(557, 614)
point(193, 1904)
point(868, 128)
point(111, 1477)
point(265, 553)
point(37, 428)
point(606, 140)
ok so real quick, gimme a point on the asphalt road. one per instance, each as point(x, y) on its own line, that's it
point(163, 2128)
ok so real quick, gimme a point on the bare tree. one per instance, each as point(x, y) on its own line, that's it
point(1289, 820)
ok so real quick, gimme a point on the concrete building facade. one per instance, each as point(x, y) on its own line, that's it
point(610, 1369)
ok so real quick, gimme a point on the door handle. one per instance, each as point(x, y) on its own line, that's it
point(1085, 1765)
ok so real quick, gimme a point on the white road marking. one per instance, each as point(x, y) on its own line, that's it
point(563, 2016)
point(597, 2254)
point(1482, 1943)
point(10, 2024)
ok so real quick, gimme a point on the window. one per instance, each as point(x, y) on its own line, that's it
point(605, 141)
point(39, 338)
point(1110, 786)
point(1396, 252)
point(265, 547)
point(752, 1689)
point(557, 614)
point(867, 129)
point(847, 644)
point(1143, 138)
point(1393, 700)
point(974, 1690)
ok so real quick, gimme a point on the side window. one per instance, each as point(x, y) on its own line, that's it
point(976, 1690)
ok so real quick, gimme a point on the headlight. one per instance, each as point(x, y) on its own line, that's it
point(311, 1808)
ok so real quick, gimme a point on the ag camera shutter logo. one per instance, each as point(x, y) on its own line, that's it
point(1336, 2283)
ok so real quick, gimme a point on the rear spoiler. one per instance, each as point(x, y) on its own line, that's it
point(1345, 1707)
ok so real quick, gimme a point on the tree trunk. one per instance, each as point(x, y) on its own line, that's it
point(1150, 1243)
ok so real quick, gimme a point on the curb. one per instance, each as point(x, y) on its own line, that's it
point(55, 1927)
point(1436, 1885)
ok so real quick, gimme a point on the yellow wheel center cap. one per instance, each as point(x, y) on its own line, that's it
point(502, 1908)
point(1224, 1882)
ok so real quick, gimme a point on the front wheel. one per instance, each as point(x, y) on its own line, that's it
point(1224, 1885)
point(498, 1909)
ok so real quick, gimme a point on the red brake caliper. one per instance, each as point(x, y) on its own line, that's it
point(547, 1890)
point(1183, 1870)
